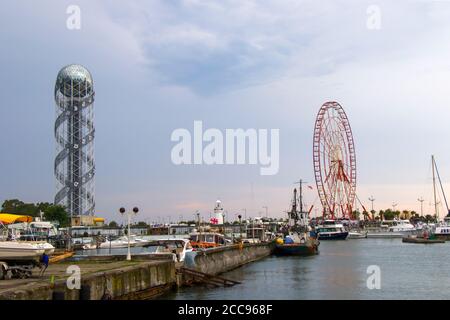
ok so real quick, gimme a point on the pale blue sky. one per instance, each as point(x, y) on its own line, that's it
point(160, 65)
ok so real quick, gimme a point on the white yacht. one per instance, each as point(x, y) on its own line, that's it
point(122, 242)
point(401, 226)
point(393, 229)
point(331, 230)
point(18, 251)
point(442, 231)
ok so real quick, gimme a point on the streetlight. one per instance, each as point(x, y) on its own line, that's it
point(122, 212)
point(245, 213)
point(372, 199)
point(240, 226)
point(394, 205)
point(267, 209)
point(421, 205)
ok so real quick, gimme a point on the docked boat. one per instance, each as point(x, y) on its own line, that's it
point(442, 232)
point(331, 230)
point(178, 247)
point(357, 234)
point(298, 239)
point(206, 239)
point(422, 240)
point(121, 242)
point(20, 251)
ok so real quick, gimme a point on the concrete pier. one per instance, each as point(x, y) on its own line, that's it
point(112, 277)
point(99, 280)
point(222, 259)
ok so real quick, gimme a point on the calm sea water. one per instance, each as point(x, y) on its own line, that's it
point(408, 271)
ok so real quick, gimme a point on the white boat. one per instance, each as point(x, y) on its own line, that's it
point(385, 235)
point(89, 246)
point(357, 235)
point(18, 251)
point(331, 230)
point(401, 226)
point(48, 248)
point(139, 242)
point(178, 247)
point(121, 242)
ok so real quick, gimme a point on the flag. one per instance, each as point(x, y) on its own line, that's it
point(310, 187)
point(214, 221)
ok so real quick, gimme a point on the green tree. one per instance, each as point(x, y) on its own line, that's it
point(57, 213)
point(388, 214)
point(113, 224)
point(15, 206)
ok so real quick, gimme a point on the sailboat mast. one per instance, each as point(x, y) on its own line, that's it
point(442, 188)
point(433, 164)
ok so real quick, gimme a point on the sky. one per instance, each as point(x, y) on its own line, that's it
point(161, 65)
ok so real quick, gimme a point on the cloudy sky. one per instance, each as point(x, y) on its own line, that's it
point(161, 65)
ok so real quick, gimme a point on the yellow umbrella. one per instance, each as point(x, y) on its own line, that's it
point(8, 218)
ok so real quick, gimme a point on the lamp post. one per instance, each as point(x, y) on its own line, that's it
point(372, 199)
point(240, 226)
point(123, 212)
point(421, 205)
point(245, 213)
point(267, 210)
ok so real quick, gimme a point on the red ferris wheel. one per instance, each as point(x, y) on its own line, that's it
point(334, 161)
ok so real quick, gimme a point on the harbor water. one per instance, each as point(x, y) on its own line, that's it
point(340, 271)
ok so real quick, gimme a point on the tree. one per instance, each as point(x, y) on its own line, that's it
point(57, 213)
point(113, 224)
point(15, 206)
point(388, 214)
point(381, 214)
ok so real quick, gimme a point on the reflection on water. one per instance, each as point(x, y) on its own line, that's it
point(408, 271)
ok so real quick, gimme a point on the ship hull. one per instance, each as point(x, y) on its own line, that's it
point(333, 236)
point(296, 249)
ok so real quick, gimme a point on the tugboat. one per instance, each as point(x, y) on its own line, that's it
point(298, 238)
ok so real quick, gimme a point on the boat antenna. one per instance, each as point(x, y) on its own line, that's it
point(440, 183)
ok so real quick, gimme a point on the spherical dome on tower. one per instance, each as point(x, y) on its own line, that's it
point(74, 81)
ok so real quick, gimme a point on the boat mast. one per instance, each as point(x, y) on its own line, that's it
point(434, 187)
point(442, 188)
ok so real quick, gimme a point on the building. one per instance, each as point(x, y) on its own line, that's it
point(74, 167)
point(87, 221)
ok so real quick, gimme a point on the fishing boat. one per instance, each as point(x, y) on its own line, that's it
point(298, 239)
point(331, 230)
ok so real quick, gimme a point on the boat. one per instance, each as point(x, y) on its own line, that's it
point(441, 231)
point(121, 242)
point(20, 251)
point(178, 247)
point(206, 239)
point(385, 235)
point(331, 230)
point(298, 239)
point(422, 240)
point(401, 226)
point(357, 234)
